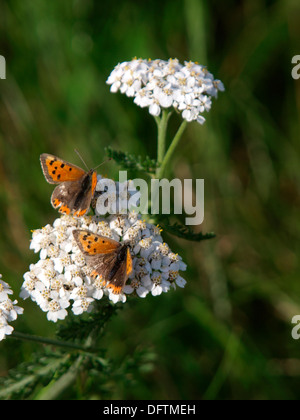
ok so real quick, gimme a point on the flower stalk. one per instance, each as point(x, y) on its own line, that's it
point(162, 124)
point(167, 157)
point(49, 341)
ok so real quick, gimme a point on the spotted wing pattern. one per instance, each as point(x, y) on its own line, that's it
point(109, 259)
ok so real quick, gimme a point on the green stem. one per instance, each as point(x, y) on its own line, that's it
point(56, 387)
point(170, 151)
point(162, 123)
point(49, 341)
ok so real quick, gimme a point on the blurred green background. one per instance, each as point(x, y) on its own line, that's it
point(227, 335)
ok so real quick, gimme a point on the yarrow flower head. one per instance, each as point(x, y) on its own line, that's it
point(61, 278)
point(158, 84)
point(9, 310)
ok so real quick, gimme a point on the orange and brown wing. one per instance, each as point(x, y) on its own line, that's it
point(117, 276)
point(128, 263)
point(92, 244)
point(57, 170)
point(117, 282)
point(85, 197)
point(108, 258)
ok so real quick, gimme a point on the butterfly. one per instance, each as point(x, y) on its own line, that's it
point(75, 188)
point(109, 259)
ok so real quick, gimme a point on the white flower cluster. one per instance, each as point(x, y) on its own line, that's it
point(9, 310)
point(61, 275)
point(160, 84)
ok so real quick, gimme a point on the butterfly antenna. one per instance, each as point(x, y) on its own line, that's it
point(81, 158)
point(102, 163)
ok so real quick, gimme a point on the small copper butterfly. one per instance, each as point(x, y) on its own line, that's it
point(108, 258)
point(76, 186)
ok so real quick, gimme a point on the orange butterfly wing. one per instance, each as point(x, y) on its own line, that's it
point(108, 258)
point(76, 186)
point(57, 170)
point(92, 244)
point(128, 263)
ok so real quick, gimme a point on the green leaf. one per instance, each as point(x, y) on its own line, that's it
point(22, 381)
point(128, 161)
point(186, 232)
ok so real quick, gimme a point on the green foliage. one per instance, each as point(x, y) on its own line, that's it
point(132, 162)
point(44, 367)
point(52, 375)
point(186, 232)
point(53, 372)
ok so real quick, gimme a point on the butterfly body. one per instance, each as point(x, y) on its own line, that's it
point(75, 188)
point(109, 259)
